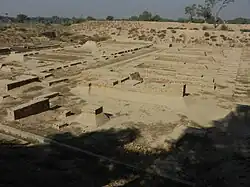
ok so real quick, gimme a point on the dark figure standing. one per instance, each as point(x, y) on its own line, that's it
point(90, 88)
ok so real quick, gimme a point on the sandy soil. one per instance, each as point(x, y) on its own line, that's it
point(137, 76)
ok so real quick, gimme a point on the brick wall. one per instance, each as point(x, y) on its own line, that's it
point(30, 108)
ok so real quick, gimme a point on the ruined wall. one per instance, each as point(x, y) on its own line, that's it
point(18, 83)
point(14, 57)
point(33, 107)
point(135, 76)
point(5, 51)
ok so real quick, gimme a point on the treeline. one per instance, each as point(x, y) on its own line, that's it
point(144, 16)
point(239, 21)
point(22, 18)
point(209, 12)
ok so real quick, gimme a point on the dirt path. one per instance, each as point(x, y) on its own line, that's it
point(195, 109)
point(175, 102)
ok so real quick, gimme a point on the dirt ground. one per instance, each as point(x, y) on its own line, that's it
point(137, 75)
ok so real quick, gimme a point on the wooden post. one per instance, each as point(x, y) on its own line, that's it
point(184, 90)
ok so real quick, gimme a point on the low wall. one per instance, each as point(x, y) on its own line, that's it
point(5, 51)
point(27, 109)
point(56, 81)
point(22, 134)
point(18, 83)
point(124, 79)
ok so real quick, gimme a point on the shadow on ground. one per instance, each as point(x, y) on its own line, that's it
point(217, 156)
point(51, 165)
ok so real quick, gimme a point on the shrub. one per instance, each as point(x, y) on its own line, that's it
point(164, 31)
point(150, 38)
point(173, 31)
point(3, 28)
point(142, 37)
point(152, 31)
point(204, 28)
point(213, 37)
point(182, 36)
point(162, 35)
point(98, 38)
point(133, 31)
point(21, 29)
point(223, 37)
point(65, 34)
point(223, 27)
point(245, 30)
point(49, 34)
point(206, 34)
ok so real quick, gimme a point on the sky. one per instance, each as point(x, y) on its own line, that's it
point(117, 8)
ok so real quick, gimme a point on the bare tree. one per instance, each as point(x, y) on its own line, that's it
point(223, 4)
point(212, 9)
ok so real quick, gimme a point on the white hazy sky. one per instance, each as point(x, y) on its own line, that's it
point(116, 8)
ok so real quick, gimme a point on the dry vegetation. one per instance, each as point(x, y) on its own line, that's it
point(20, 34)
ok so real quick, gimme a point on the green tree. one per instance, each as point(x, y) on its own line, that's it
point(110, 18)
point(239, 21)
point(134, 18)
point(90, 18)
point(145, 16)
point(191, 11)
point(77, 20)
point(156, 18)
point(205, 12)
point(56, 20)
point(21, 18)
